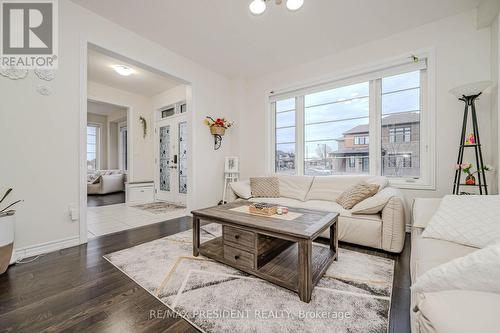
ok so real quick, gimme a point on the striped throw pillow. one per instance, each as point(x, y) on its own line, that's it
point(265, 187)
point(357, 193)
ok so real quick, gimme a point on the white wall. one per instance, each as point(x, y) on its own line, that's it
point(171, 96)
point(40, 135)
point(141, 149)
point(113, 121)
point(462, 55)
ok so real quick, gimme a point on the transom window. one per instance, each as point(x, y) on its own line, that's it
point(330, 129)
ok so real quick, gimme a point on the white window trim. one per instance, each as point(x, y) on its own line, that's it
point(121, 153)
point(97, 143)
point(427, 117)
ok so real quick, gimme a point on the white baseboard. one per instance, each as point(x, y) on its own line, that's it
point(33, 250)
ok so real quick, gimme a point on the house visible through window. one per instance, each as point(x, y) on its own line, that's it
point(399, 161)
point(399, 134)
point(400, 139)
point(334, 121)
point(92, 147)
point(327, 130)
point(361, 140)
point(285, 136)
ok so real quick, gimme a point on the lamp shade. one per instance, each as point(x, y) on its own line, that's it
point(470, 89)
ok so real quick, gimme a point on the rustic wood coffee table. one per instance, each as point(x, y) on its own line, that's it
point(276, 250)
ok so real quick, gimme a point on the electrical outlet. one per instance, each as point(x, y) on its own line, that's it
point(73, 213)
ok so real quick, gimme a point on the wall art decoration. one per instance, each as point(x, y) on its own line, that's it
point(14, 73)
point(45, 74)
point(44, 90)
point(144, 126)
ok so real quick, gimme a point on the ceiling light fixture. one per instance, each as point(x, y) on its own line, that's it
point(294, 5)
point(123, 70)
point(257, 7)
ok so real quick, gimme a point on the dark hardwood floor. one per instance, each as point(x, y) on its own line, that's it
point(76, 290)
point(105, 199)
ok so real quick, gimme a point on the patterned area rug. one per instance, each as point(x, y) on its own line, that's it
point(353, 296)
point(159, 207)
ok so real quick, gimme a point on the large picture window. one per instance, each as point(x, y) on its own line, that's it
point(332, 121)
point(329, 130)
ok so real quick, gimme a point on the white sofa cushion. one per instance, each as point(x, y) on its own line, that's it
point(242, 189)
point(295, 187)
point(376, 203)
point(428, 253)
point(469, 220)
point(478, 271)
point(331, 187)
point(363, 230)
point(458, 312)
point(423, 209)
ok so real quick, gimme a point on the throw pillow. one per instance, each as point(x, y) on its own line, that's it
point(376, 203)
point(357, 193)
point(478, 271)
point(381, 181)
point(96, 179)
point(472, 220)
point(242, 189)
point(265, 187)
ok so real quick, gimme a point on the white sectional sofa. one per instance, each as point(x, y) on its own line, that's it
point(453, 311)
point(383, 227)
point(106, 181)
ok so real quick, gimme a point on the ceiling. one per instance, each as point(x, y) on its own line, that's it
point(102, 108)
point(223, 36)
point(142, 82)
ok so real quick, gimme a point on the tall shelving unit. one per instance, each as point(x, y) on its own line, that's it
point(476, 146)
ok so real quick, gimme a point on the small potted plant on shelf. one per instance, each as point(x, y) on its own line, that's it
point(467, 169)
point(7, 218)
point(217, 126)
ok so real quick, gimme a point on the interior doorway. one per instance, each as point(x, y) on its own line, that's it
point(107, 153)
point(120, 154)
point(171, 141)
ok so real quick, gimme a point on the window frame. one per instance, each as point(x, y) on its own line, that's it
point(97, 144)
point(372, 75)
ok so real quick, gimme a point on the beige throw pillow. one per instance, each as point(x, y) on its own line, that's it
point(357, 193)
point(265, 187)
point(376, 203)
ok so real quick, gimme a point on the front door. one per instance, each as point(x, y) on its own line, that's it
point(171, 159)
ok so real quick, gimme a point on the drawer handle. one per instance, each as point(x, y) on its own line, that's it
point(237, 236)
point(236, 257)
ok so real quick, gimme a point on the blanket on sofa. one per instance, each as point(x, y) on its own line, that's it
point(467, 220)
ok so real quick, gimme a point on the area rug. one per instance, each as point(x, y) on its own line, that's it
point(353, 296)
point(159, 207)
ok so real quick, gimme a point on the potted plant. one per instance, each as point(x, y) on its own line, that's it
point(467, 169)
point(217, 126)
point(7, 219)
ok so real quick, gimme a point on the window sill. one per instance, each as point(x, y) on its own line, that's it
point(417, 185)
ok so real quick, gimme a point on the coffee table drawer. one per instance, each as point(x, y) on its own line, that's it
point(238, 257)
point(244, 239)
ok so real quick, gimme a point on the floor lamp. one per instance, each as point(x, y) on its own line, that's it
point(468, 94)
